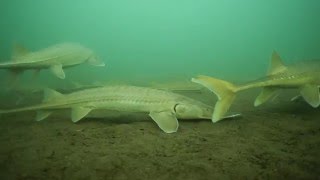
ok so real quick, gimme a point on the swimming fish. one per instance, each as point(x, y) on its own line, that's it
point(304, 75)
point(55, 58)
point(164, 107)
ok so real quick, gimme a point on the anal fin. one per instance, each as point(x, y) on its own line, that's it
point(41, 115)
point(166, 120)
point(265, 95)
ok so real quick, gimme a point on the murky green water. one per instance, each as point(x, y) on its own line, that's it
point(144, 42)
point(150, 40)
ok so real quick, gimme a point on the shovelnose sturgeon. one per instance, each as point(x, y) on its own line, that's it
point(304, 75)
point(164, 107)
point(54, 58)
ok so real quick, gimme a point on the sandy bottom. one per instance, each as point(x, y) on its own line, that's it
point(279, 140)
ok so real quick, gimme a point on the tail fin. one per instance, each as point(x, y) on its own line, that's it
point(223, 89)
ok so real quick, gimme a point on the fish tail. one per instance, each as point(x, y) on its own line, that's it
point(225, 91)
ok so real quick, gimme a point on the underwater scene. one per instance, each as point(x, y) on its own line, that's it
point(159, 89)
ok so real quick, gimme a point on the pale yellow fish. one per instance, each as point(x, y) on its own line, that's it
point(304, 76)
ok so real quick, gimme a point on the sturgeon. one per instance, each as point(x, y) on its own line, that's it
point(164, 107)
point(304, 75)
point(54, 58)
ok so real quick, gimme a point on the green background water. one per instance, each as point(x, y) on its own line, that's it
point(147, 40)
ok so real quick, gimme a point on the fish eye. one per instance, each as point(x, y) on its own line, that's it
point(179, 108)
point(175, 107)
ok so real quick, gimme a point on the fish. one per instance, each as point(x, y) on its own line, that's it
point(178, 86)
point(164, 107)
point(55, 58)
point(175, 86)
point(303, 75)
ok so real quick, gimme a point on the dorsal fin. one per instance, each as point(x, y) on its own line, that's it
point(19, 50)
point(51, 95)
point(276, 64)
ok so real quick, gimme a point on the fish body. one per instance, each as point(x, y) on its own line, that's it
point(54, 58)
point(304, 75)
point(163, 107)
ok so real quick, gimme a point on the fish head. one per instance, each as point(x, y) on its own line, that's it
point(95, 61)
point(193, 111)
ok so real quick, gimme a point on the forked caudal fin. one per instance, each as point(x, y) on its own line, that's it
point(223, 89)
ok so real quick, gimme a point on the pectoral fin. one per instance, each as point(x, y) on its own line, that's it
point(78, 113)
point(41, 115)
point(265, 94)
point(310, 94)
point(58, 71)
point(166, 120)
